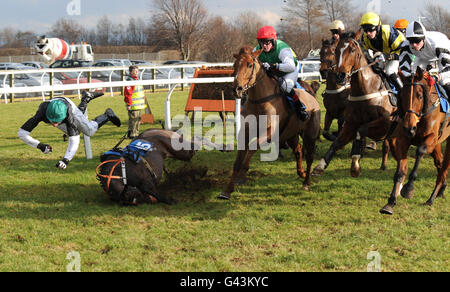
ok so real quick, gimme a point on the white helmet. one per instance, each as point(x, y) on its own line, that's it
point(415, 30)
point(337, 24)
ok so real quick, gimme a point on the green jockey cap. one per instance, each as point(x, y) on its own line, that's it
point(56, 111)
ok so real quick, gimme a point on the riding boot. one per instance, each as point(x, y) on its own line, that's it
point(107, 116)
point(300, 108)
point(85, 99)
point(396, 81)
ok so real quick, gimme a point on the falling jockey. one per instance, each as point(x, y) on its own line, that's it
point(279, 59)
point(63, 114)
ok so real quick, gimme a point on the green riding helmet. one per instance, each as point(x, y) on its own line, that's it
point(56, 111)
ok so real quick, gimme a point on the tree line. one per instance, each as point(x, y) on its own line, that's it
point(187, 26)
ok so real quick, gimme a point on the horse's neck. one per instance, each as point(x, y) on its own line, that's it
point(264, 87)
point(331, 81)
point(365, 81)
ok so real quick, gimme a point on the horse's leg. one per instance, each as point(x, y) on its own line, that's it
point(385, 154)
point(427, 147)
point(345, 136)
point(296, 147)
point(226, 194)
point(309, 144)
point(326, 127)
point(357, 153)
point(375, 130)
point(400, 152)
point(442, 177)
point(238, 163)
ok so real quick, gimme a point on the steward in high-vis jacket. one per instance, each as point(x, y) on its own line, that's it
point(63, 114)
point(134, 97)
point(384, 39)
point(279, 59)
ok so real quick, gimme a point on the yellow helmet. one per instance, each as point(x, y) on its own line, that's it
point(370, 18)
point(337, 24)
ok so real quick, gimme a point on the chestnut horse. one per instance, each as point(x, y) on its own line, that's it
point(425, 126)
point(335, 96)
point(266, 98)
point(369, 110)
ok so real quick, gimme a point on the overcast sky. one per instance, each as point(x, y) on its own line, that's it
point(39, 15)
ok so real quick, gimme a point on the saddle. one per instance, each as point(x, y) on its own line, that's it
point(134, 151)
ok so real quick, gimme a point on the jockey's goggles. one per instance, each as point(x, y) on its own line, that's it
point(263, 42)
point(334, 31)
point(368, 28)
point(414, 40)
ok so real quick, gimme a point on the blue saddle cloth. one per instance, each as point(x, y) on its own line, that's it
point(445, 106)
point(134, 151)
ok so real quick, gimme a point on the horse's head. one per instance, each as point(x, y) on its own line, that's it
point(327, 57)
point(348, 56)
point(414, 98)
point(246, 68)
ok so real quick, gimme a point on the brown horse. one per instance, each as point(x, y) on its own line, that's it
point(265, 98)
point(335, 96)
point(424, 126)
point(142, 177)
point(369, 111)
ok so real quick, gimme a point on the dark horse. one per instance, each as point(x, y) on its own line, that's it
point(142, 177)
point(265, 99)
point(335, 95)
point(369, 110)
point(425, 126)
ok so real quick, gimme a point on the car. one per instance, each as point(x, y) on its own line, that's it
point(34, 64)
point(70, 64)
point(72, 78)
point(174, 62)
point(112, 62)
point(28, 79)
point(141, 63)
point(310, 68)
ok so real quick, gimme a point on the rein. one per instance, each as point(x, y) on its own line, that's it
point(422, 114)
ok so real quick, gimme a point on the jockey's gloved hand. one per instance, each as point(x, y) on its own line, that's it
point(62, 164)
point(266, 66)
point(381, 58)
point(45, 148)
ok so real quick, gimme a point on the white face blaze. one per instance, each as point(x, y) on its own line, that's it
point(342, 52)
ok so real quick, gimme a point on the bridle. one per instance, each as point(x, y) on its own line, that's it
point(253, 75)
point(422, 113)
point(352, 72)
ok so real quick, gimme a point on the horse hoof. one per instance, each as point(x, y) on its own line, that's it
point(407, 192)
point(223, 196)
point(306, 188)
point(301, 174)
point(317, 172)
point(372, 146)
point(428, 203)
point(387, 210)
point(355, 173)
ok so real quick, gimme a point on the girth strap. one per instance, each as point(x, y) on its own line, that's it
point(265, 99)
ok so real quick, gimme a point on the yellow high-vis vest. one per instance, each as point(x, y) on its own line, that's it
point(138, 98)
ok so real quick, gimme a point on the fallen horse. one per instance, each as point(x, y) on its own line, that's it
point(129, 176)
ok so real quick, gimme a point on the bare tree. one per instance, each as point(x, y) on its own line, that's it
point(223, 40)
point(185, 21)
point(248, 23)
point(309, 11)
point(337, 9)
point(104, 31)
point(136, 32)
point(66, 29)
point(437, 18)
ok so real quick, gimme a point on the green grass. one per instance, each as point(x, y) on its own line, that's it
point(270, 224)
